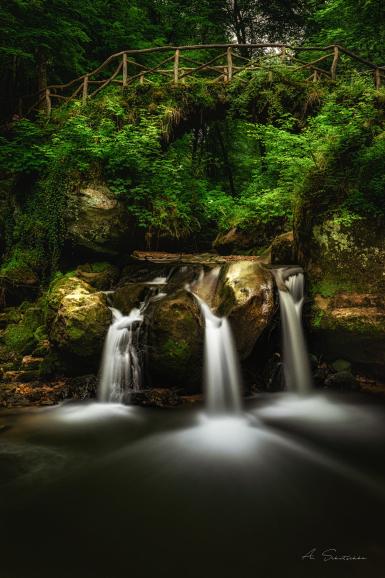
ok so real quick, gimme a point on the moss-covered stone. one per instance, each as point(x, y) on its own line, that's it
point(128, 296)
point(82, 317)
point(246, 295)
point(176, 342)
point(282, 250)
point(98, 222)
point(102, 275)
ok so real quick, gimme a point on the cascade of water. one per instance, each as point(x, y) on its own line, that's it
point(295, 356)
point(222, 377)
point(121, 367)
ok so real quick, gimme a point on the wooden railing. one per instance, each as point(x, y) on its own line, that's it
point(225, 61)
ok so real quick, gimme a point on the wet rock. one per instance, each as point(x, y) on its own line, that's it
point(81, 318)
point(353, 325)
point(20, 376)
point(30, 362)
point(156, 397)
point(252, 239)
point(128, 296)
point(38, 393)
point(344, 260)
point(282, 250)
point(101, 276)
point(18, 283)
point(176, 342)
point(246, 296)
point(234, 241)
point(342, 380)
point(341, 365)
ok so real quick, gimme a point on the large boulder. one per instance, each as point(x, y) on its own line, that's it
point(351, 325)
point(101, 276)
point(241, 290)
point(80, 317)
point(246, 295)
point(176, 342)
point(98, 222)
point(345, 263)
point(252, 238)
point(282, 250)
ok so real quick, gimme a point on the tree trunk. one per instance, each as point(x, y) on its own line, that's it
point(42, 76)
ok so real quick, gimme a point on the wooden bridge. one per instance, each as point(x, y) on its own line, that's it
point(214, 62)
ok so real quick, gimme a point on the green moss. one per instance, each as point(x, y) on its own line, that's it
point(75, 333)
point(317, 319)
point(19, 338)
point(176, 351)
point(329, 287)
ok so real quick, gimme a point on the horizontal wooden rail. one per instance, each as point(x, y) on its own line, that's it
point(232, 59)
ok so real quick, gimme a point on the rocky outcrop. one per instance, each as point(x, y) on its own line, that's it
point(80, 317)
point(101, 276)
point(246, 296)
point(241, 290)
point(176, 342)
point(100, 222)
point(253, 239)
point(345, 264)
point(282, 250)
point(351, 325)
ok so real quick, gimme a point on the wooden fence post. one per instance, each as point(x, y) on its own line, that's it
point(283, 54)
point(336, 56)
point(125, 75)
point(141, 79)
point(176, 66)
point(48, 102)
point(229, 64)
point(85, 89)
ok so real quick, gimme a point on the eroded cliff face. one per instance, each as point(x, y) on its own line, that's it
point(345, 264)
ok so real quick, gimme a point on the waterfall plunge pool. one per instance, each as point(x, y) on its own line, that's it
point(105, 490)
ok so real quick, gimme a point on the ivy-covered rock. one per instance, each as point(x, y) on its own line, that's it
point(81, 317)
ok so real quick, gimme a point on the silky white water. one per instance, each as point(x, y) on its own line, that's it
point(222, 377)
point(121, 367)
point(295, 356)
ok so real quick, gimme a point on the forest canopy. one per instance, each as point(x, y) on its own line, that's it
point(191, 163)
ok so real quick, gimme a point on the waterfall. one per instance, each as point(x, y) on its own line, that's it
point(222, 376)
point(121, 367)
point(295, 356)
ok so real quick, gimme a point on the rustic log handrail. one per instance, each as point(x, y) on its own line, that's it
point(284, 54)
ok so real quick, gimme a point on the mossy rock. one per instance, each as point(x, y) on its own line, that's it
point(102, 275)
point(250, 239)
point(352, 326)
point(246, 295)
point(20, 336)
point(176, 342)
point(18, 283)
point(99, 222)
point(128, 296)
point(282, 249)
point(82, 317)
